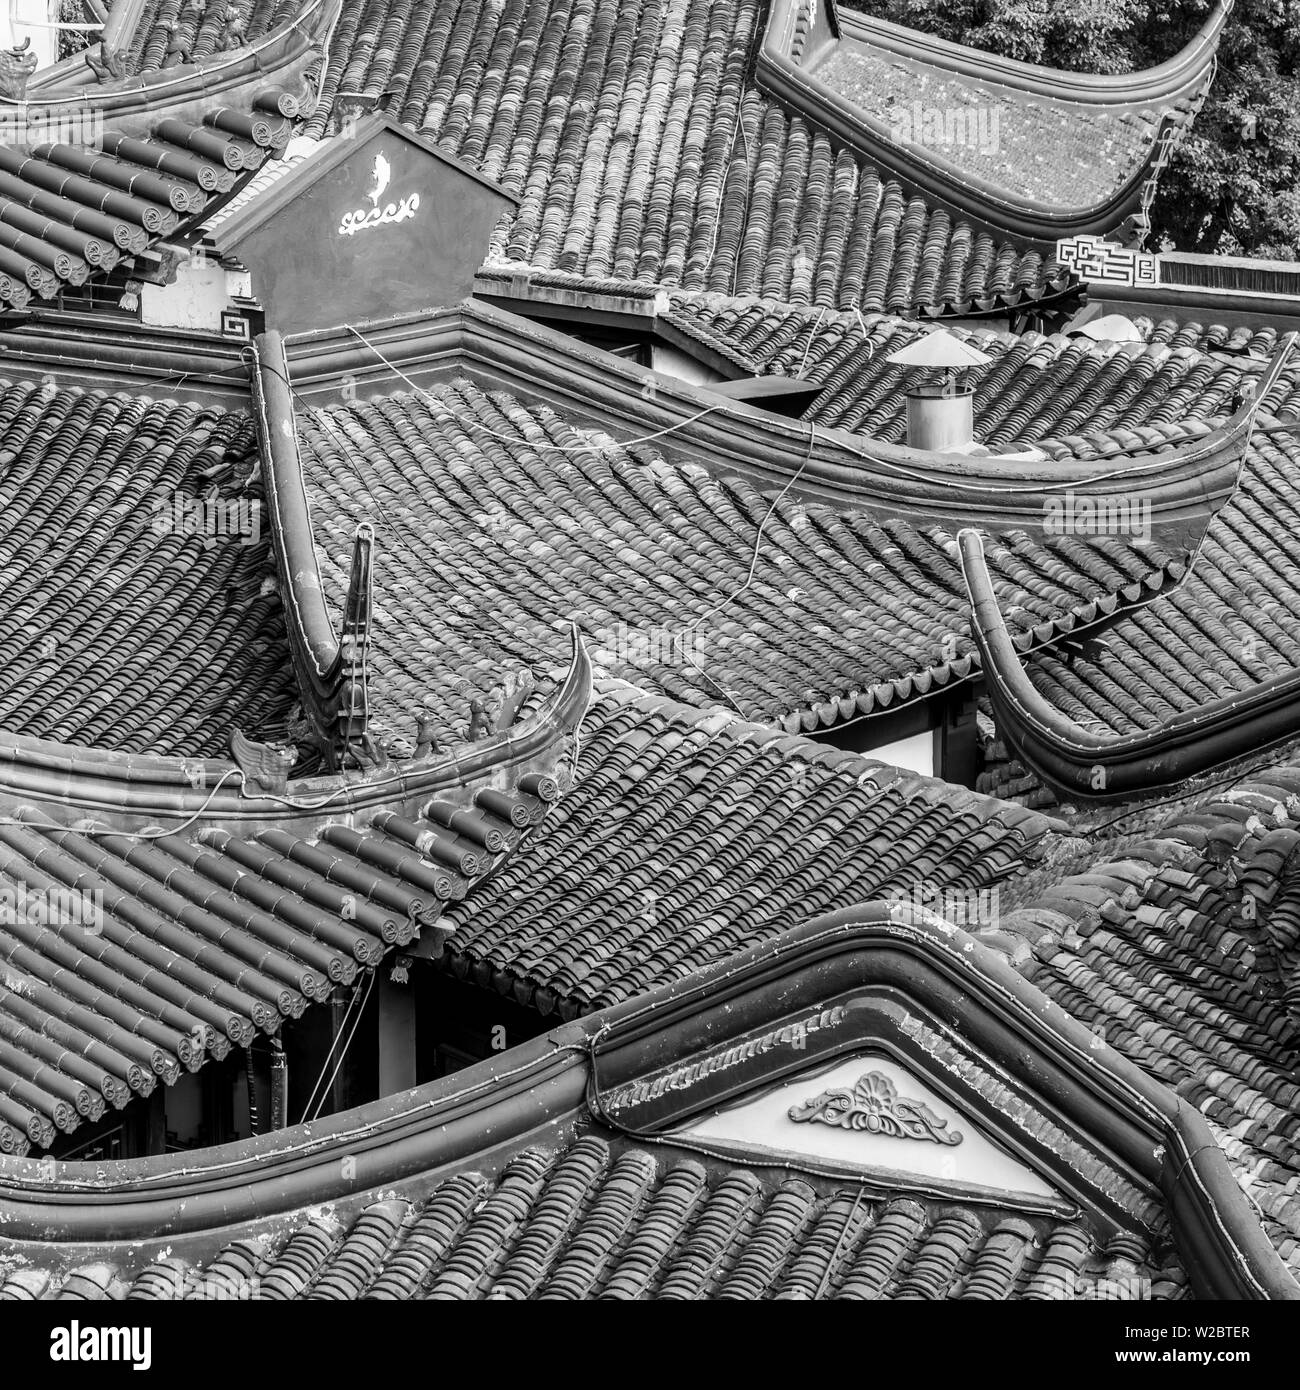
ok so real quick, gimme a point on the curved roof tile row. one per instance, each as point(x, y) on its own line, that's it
point(125, 959)
point(69, 212)
point(142, 610)
point(497, 523)
point(1158, 949)
point(690, 835)
point(606, 1219)
point(1241, 340)
point(172, 32)
point(1037, 386)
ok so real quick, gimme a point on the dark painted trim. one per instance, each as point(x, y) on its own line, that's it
point(503, 351)
point(1000, 1014)
point(101, 354)
point(1177, 300)
point(642, 324)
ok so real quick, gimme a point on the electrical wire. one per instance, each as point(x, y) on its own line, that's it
point(717, 221)
point(1190, 793)
point(248, 356)
point(1163, 592)
point(589, 448)
point(693, 626)
point(325, 60)
point(364, 998)
point(812, 337)
point(157, 834)
point(329, 1053)
point(839, 1244)
point(338, 1066)
point(1158, 463)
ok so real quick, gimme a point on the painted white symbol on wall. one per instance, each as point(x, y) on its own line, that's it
point(1095, 258)
point(363, 219)
point(382, 172)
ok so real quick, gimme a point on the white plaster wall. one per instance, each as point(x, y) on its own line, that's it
point(44, 41)
point(193, 300)
point(672, 362)
point(915, 753)
point(764, 1124)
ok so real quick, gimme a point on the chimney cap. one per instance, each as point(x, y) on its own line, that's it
point(939, 349)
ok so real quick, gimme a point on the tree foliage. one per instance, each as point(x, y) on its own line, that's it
point(74, 40)
point(1233, 184)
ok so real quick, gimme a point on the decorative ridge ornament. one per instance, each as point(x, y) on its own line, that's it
point(16, 66)
point(874, 1105)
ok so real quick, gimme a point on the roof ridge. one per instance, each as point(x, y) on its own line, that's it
point(49, 381)
point(1173, 432)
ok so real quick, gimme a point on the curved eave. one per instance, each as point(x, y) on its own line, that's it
point(211, 81)
point(989, 207)
point(118, 207)
point(129, 790)
point(1169, 81)
point(932, 681)
point(325, 679)
point(1061, 294)
point(1082, 764)
point(834, 466)
point(197, 1198)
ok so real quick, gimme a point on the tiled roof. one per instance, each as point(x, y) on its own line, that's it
point(1068, 388)
point(1062, 152)
point(496, 523)
point(1230, 624)
point(690, 835)
point(1181, 953)
point(123, 628)
point(178, 947)
point(1214, 338)
point(1003, 775)
point(171, 32)
point(642, 151)
point(298, 149)
point(602, 1218)
point(69, 212)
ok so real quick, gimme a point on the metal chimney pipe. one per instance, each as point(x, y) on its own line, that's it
point(940, 417)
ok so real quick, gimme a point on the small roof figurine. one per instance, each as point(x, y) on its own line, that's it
point(16, 66)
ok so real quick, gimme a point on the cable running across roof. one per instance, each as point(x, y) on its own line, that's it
point(514, 439)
